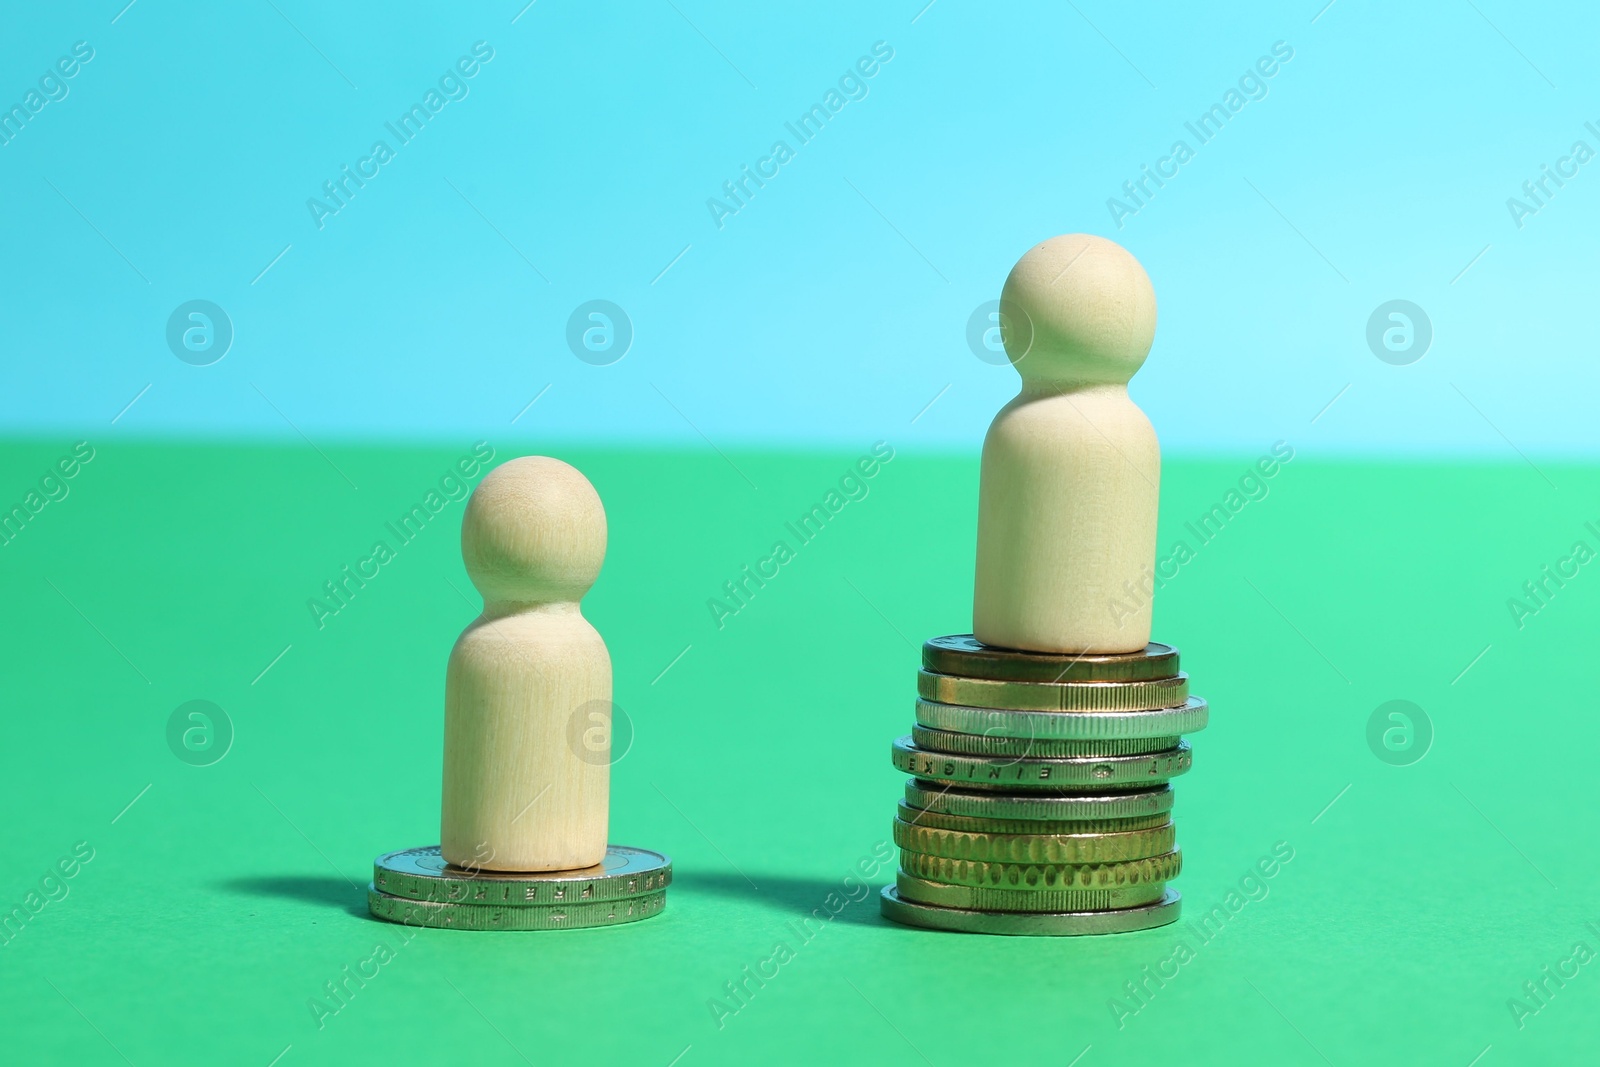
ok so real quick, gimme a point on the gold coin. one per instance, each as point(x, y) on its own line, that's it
point(1036, 876)
point(1035, 848)
point(965, 896)
point(1054, 696)
point(965, 655)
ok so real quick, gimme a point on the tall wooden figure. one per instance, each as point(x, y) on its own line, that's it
point(1071, 467)
point(519, 794)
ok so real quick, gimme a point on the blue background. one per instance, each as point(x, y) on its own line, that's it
point(834, 306)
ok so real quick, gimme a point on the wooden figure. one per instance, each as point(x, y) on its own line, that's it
point(1071, 467)
point(519, 793)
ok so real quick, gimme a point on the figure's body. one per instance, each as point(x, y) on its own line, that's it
point(1071, 467)
point(518, 794)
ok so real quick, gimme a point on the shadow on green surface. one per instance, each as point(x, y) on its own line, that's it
point(327, 892)
point(796, 897)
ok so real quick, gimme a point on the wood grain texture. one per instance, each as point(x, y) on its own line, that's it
point(528, 687)
point(1071, 467)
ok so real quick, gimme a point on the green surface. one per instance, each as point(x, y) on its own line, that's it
point(220, 903)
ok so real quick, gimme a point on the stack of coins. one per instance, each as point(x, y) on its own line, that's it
point(1039, 802)
point(417, 887)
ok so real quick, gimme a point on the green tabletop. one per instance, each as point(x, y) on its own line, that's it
point(216, 914)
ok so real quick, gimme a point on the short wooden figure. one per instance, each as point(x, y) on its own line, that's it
point(519, 794)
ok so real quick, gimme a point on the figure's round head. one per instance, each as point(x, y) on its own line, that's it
point(1077, 308)
point(534, 532)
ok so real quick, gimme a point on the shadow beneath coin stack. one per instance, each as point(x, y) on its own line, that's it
point(819, 899)
point(325, 891)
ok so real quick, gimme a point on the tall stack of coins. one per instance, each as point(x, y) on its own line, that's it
point(1040, 800)
point(417, 887)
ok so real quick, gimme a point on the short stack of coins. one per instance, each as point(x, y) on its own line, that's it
point(1040, 800)
point(418, 888)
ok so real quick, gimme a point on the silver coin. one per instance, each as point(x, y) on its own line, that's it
point(989, 773)
point(972, 824)
point(443, 916)
point(965, 655)
point(423, 874)
point(1050, 924)
point(1189, 717)
point(1112, 804)
point(931, 740)
point(1054, 696)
